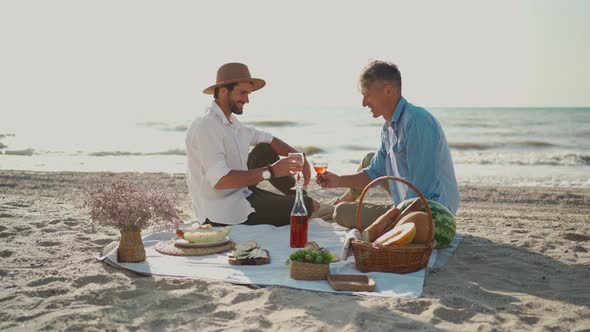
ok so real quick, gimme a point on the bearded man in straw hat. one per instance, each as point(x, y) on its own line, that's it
point(222, 175)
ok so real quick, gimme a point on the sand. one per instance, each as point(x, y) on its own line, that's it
point(524, 265)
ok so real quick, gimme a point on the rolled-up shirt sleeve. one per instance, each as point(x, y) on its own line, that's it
point(259, 136)
point(208, 139)
point(377, 167)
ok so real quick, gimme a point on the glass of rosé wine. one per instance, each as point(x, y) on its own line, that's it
point(320, 164)
point(299, 161)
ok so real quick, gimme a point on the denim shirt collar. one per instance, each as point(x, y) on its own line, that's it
point(401, 105)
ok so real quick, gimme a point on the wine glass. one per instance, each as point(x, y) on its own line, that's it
point(299, 161)
point(320, 164)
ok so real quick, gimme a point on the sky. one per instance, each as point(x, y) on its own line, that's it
point(83, 60)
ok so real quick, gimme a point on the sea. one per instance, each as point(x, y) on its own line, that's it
point(547, 147)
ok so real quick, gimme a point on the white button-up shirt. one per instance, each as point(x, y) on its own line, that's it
point(215, 146)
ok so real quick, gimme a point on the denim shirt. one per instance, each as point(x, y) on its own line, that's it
point(414, 148)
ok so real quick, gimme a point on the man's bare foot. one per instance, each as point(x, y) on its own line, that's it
point(323, 211)
point(316, 205)
point(348, 196)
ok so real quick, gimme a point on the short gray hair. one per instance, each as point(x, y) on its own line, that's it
point(380, 71)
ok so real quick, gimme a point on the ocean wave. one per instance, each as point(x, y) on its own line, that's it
point(6, 135)
point(181, 128)
point(522, 158)
point(24, 152)
point(2, 146)
point(310, 149)
point(172, 152)
point(523, 181)
point(357, 148)
point(163, 126)
point(537, 144)
point(472, 125)
point(470, 146)
point(485, 146)
point(585, 159)
point(273, 123)
point(152, 124)
point(113, 153)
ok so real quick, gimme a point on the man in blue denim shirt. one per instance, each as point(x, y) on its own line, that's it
point(413, 147)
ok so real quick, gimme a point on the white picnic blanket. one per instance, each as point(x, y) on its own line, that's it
point(276, 241)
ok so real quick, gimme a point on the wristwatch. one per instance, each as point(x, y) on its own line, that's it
point(267, 174)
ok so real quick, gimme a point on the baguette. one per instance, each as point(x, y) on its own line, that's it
point(414, 207)
point(378, 227)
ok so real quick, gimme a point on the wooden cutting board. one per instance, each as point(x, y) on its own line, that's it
point(250, 261)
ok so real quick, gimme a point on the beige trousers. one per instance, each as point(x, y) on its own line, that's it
point(345, 213)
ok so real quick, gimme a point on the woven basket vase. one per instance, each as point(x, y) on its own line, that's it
point(131, 249)
point(372, 257)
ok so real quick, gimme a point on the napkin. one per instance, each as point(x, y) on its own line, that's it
point(352, 234)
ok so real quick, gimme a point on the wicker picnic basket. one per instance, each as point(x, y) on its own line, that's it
point(372, 257)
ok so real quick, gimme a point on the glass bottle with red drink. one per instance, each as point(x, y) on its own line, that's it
point(299, 220)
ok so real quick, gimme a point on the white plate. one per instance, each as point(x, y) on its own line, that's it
point(185, 243)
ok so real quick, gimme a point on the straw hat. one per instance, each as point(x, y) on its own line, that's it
point(232, 73)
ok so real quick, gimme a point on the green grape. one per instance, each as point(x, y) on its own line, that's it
point(318, 260)
point(322, 256)
point(327, 256)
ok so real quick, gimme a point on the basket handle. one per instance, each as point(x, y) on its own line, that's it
point(422, 198)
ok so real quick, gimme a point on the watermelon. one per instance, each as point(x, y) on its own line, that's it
point(444, 221)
